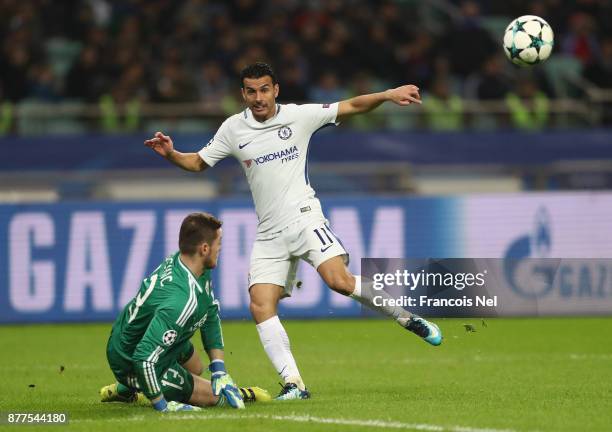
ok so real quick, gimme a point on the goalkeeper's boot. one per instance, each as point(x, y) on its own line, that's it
point(421, 327)
point(110, 393)
point(292, 391)
point(254, 394)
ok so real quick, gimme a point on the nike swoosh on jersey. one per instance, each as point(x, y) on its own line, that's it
point(241, 146)
point(325, 248)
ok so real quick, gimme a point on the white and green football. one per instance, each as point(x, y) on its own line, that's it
point(528, 40)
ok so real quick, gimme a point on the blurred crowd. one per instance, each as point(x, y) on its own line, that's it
point(110, 52)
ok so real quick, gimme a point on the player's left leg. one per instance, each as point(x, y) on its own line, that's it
point(320, 247)
point(337, 276)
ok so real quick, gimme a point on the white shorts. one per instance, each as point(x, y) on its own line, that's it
point(275, 260)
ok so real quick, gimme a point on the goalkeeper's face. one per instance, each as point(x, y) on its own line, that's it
point(211, 252)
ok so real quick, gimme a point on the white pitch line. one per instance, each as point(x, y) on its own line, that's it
point(307, 419)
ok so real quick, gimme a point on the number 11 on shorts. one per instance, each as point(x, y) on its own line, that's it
point(324, 237)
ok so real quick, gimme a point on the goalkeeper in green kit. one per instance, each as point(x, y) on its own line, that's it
point(149, 349)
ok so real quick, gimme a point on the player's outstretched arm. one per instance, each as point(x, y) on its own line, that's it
point(404, 95)
point(163, 146)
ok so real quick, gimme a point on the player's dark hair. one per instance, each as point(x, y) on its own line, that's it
point(197, 228)
point(257, 70)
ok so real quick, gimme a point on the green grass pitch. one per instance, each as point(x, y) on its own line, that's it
point(512, 374)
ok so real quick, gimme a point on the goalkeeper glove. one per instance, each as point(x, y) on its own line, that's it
point(173, 406)
point(222, 384)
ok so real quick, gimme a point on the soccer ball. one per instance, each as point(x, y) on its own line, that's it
point(528, 40)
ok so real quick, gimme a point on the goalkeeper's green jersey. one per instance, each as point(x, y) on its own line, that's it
point(169, 307)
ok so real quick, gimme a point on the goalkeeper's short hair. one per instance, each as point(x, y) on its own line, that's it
point(197, 228)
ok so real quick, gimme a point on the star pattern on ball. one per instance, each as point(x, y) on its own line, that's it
point(536, 41)
point(518, 26)
point(514, 51)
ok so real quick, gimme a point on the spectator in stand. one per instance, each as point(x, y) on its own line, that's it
point(443, 109)
point(14, 68)
point(174, 85)
point(86, 79)
point(362, 83)
point(599, 73)
point(191, 49)
point(212, 84)
point(6, 115)
point(43, 85)
point(492, 82)
point(468, 45)
point(528, 105)
point(581, 41)
point(120, 108)
point(290, 53)
point(327, 89)
point(293, 88)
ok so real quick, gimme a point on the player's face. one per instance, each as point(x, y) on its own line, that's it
point(212, 256)
point(260, 96)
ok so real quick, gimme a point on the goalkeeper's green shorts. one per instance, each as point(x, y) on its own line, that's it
point(176, 382)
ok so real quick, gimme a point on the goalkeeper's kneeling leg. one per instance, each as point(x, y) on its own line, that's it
point(203, 395)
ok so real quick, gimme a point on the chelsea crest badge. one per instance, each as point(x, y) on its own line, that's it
point(285, 133)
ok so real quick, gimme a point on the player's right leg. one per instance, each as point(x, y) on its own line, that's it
point(180, 385)
point(271, 277)
point(202, 394)
point(274, 338)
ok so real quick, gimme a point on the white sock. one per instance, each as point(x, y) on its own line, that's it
point(276, 344)
point(398, 313)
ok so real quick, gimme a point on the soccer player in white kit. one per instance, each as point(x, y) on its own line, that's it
point(271, 141)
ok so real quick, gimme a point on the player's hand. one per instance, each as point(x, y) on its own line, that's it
point(404, 95)
point(222, 384)
point(160, 144)
point(174, 406)
point(161, 405)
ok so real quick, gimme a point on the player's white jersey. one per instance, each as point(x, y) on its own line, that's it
point(273, 155)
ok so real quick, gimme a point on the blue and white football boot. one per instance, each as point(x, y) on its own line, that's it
point(291, 391)
point(421, 327)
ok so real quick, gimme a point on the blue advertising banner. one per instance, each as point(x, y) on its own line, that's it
point(85, 261)
point(330, 145)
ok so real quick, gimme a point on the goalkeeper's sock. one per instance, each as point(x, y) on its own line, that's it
point(366, 298)
point(124, 391)
point(276, 344)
